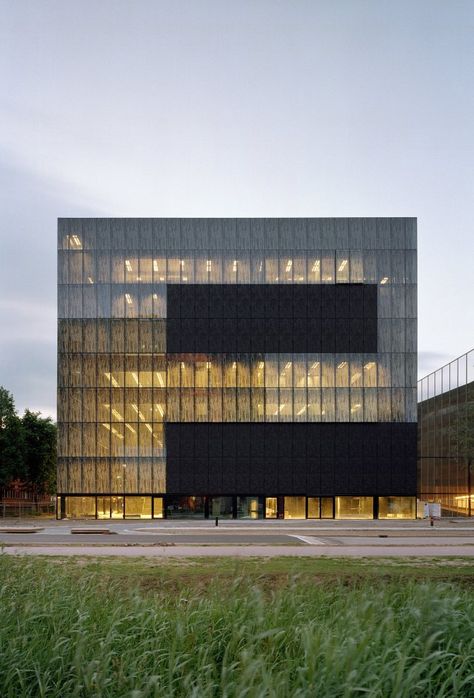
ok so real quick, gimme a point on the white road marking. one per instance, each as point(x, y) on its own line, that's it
point(308, 539)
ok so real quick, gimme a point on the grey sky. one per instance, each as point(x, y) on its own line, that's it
point(232, 108)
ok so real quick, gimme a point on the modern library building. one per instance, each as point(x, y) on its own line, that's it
point(239, 368)
point(446, 437)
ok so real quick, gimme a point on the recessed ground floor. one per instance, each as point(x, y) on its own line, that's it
point(170, 506)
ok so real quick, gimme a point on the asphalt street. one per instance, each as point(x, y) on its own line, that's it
point(238, 538)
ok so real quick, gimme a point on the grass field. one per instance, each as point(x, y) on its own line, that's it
point(247, 628)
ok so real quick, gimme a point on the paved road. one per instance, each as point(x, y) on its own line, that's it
point(247, 551)
point(240, 538)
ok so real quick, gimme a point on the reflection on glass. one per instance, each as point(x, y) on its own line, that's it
point(249, 507)
point(185, 507)
point(397, 507)
point(221, 507)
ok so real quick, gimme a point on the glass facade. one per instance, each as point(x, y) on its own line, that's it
point(119, 385)
point(446, 437)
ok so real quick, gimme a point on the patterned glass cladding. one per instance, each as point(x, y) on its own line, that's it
point(117, 385)
point(446, 436)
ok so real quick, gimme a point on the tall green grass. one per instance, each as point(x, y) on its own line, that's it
point(71, 632)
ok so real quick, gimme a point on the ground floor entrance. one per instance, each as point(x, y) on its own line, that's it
point(233, 507)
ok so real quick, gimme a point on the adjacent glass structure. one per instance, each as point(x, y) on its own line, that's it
point(273, 323)
point(446, 437)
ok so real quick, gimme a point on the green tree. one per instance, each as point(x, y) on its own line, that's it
point(12, 443)
point(40, 451)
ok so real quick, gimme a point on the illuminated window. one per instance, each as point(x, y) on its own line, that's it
point(271, 510)
point(295, 507)
point(354, 507)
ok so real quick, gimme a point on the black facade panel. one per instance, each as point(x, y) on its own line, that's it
point(328, 301)
point(271, 318)
point(314, 301)
point(288, 458)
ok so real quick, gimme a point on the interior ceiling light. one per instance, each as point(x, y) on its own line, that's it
point(130, 428)
point(261, 365)
point(288, 365)
point(301, 410)
point(369, 365)
point(89, 279)
point(128, 298)
point(355, 407)
point(138, 411)
point(160, 379)
point(384, 280)
point(155, 296)
point(342, 265)
point(76, 240)
point(315, 266)
point(110, 377)
point(342, 364)
point(234, 265)
point(355, 377)
point(289, 265)
point(315, 365)
point(128, 265)
point(155, 265)
point(208, 265)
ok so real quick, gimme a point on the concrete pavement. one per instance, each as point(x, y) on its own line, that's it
point(241, 538)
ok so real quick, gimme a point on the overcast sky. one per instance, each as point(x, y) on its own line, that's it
point(232, 108)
